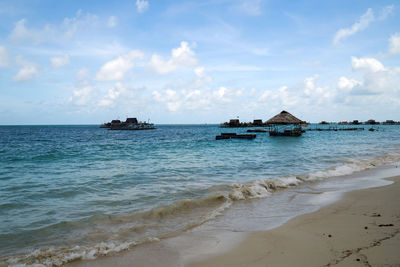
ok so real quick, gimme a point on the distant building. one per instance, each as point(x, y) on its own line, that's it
point(371, 122)
point(234, 123)
point(257, 123)
point(389, 122)
point(131, 120)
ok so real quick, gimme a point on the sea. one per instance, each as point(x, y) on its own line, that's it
point(79, 192)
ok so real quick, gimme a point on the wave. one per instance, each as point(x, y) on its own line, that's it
point(110, 234)
point(265, 187)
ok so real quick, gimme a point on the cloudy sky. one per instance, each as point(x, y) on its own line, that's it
point(78, 62)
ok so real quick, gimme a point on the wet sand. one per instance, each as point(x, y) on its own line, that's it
point(362, 229)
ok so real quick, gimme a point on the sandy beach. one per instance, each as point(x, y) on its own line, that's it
point(360, 230)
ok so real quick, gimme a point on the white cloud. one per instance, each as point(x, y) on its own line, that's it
point(54, 32)
point(367, 63)
point(112, 22)
point(345, 83)
point(251, 7)
point(82, 96)
point(199, 71)
point(199, 99)
point(317, 93)
point(171, 98)
point(363, 23)
point(89, 97)
point(142, 5)
point(385, 12)
point(202, 77)
point(3, 57)
point(70, 26)
point(287, 98)
point(383, 82)
point(25, 73)
point(82, 74)
point(380, 84)
point(377, 79)
point(307, 93)
point(220, 93)
point(21, 33)
point(27, 70)
point(112, 95)
point(266, 95)
point(116, 69)
point(394, 44)
point(182, 56)
point(314, 93)
point(309, 84)
point(60, 61)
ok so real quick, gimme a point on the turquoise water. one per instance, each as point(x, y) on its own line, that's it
point(69, 192)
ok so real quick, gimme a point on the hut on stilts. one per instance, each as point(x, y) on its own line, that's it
point(285, 124)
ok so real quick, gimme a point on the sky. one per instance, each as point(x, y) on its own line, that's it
point(88, 62)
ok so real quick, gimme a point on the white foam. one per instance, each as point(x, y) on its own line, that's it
point(264, 188)
point(255, 189)
point(61, 256)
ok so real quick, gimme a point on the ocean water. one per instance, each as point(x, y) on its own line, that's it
point(79, 192)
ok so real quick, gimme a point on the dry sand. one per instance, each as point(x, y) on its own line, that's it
point(360, 230)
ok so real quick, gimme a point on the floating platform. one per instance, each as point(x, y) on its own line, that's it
point(224, 136)
point(336, 129)
point(292, 133)
point(257, 131)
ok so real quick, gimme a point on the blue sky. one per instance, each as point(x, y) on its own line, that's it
point(78, 62)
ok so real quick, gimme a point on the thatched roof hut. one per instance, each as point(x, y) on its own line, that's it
point(284, 118)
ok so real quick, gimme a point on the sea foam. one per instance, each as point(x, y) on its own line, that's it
point(193, 211)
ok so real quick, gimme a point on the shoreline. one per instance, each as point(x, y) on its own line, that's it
point(215, 246)
point(361, 229)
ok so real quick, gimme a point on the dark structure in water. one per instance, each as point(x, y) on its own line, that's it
point(336, 128)
point(234, 136)
point(373, 122)
point(287, 132)
point(285, 124)
point(235, 123)
point(257, 131)
point(128, 124)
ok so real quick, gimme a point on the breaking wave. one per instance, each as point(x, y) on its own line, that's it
point(107, 235)
point(265, 187)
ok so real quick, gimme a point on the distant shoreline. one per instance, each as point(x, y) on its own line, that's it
point(160, 124)
point(167, 124)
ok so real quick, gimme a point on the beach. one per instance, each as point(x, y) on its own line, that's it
point(362, 229)
point(199, 133)
point(174, 196)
